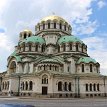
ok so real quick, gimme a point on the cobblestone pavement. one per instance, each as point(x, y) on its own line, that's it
point(56, 102)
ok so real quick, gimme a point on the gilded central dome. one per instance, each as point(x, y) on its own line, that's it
point(54, 17)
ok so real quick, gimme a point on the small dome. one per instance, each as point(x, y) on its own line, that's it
point(53, 17)
point(17, 57)
point(66, 39)
point(26, 30)
point(33, 39)
point(86, 60)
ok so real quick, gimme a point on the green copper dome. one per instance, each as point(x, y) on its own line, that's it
point(66, 39)
point(18, 58)
point(33, 39)
point(86, 60)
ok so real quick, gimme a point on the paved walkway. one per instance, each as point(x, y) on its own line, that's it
point(55, 102)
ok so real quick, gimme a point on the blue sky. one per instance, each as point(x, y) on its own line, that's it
point(88, 19)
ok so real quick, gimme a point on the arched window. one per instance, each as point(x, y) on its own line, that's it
point(64, 47)
point(44, 67)
point(22, 86)
point(94, 86)
point(77, 47)
point(23, 47)
point(55, 68)
point(48, 25)
point(54, 25)
point(43, 26)
point(86, 87)
point(50, 67)
point(60, 86)
point(68, 69)
point(44, 79)
point(36, 47)
point(29, 35)
point(70, 46)
point(69, 87)
point(3, 85)
point(90, 87)
point(58, 48)
point(39, 27)
point(26, 85)
point(65, 86)
point(30, 47)
point(91, 68)
point(82, 67)
point(98, 88)
point(12, 67)
point(65, 27)
point(43, 48)
point(60, 26)
point(7, 84)
point(24, 35)
point(30, 85)
point(97, 69)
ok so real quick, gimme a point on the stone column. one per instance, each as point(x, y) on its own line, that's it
point(65, 67)
point(31, 70)
point(26, 48)
point(39, 48)
point(74, 47)
point(51, 25)
point(61, 48)
point(67, 47)
point(19, 68)
point(26, 68)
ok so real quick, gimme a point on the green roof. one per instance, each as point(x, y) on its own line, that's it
point(70, 38)
point(33, 39)
point(86, 60)
point(18, 58)
point(13, 54)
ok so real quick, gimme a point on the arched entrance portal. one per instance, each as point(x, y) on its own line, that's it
point(44, 84)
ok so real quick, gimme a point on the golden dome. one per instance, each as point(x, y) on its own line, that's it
point(26, 30)
point(53, 17)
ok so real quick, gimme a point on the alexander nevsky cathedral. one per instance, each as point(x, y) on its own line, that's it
point(52, 63)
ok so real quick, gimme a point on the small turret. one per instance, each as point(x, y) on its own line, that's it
point(24, 34)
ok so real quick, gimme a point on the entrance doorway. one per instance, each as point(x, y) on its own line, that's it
point(44, 90)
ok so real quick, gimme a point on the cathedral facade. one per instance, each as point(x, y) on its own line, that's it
point(52, 63)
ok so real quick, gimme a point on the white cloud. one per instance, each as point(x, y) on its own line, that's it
point(5, 43)
point(101, 4)
point(97, 49)
point(16, 15)
point(86, 28)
